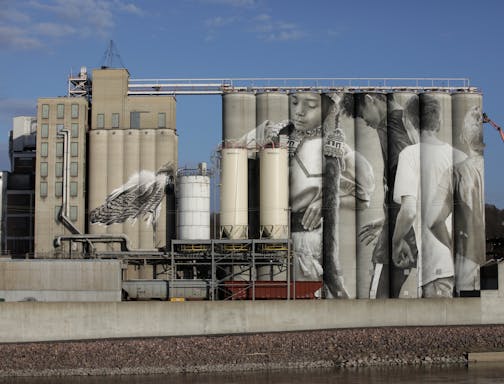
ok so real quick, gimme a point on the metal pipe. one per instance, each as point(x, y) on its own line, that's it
point(63, 214)
point(97, 238)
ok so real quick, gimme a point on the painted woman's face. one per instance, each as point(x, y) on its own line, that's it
point(305, 111)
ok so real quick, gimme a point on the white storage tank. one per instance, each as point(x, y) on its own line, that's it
point(234, 194)
point(274, 193)
point(193, 206)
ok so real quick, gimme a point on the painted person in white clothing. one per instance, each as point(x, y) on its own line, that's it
point(420, 170)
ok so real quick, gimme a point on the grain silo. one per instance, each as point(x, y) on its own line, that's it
point(371, 174)
point(193, 204)
point(402, 130)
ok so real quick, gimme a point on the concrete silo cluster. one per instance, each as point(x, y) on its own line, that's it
point(380, 193)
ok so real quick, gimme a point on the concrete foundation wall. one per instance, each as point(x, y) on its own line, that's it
point(31, 321)
point(60, 280)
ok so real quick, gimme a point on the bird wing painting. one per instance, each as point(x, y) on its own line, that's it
point(139, 197)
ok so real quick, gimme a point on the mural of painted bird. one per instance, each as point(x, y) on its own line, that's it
point(139, 197)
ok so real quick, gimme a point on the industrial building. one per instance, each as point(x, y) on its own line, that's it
point(314, 174)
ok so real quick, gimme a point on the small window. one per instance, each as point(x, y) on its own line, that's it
point(58, 189)
point(74, 168)
point(59, 128)
point(135, 120)
point(75, 130)
point(58, 169)
point(100, 120)
point(73, 189)
point(60, 111)
point(75, 111)
point(115, 120)
point(59, 149)
point(44, 149)
point(161, 120)
point(45, 111)
point(43, 189)
point(74, 149)
point(73, 212)
point(57, 210)
point(43, 169)
point(44, 131)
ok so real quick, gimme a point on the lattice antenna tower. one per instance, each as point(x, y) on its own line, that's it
point(111, 57)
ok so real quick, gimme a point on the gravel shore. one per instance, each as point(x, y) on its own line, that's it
point(310, 349)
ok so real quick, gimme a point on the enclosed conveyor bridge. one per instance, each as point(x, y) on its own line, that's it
point(215, 86)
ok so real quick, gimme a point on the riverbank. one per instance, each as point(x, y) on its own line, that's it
point(246, 352)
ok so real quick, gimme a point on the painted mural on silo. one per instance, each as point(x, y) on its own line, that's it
point(371, 143)
point(340, 189)
point(420, 171)
point(272, 118)
point(305, 185)
point(403, 130)
point(461, 194)
point(239, 131)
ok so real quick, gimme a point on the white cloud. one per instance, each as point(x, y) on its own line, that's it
point(17, 39)
point(220, 21)
point(270, 30)
point(54, 30)
point(58, 19)
point(233, 3)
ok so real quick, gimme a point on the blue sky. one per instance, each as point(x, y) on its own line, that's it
point(41, 42)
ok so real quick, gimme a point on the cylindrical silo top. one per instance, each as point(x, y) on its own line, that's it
point(238, 117)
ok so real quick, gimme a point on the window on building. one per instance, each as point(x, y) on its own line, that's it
point(75, 130)
point(59, 149)
point(57, 210)
point(74, 168)
point(43, 189)
point(73, 212)
point(44, 149)
point(58, 169)
point(58, 189)
point(44, 131)
point(135, 120)
point(75, 111)
point(161, 120)
point(59, 128)
point(60, 111)
point(43, 169)
point(100, 120)
point(74, 149)
point(73, 189)
point(115, 120)
point(45, 111)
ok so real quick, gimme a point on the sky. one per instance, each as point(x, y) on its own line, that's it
point(42, 42)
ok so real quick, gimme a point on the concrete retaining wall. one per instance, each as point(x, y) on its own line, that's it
point(32, 321)
point(35, 321)
point(60, 280)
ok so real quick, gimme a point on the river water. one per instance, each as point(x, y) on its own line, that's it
point(485, 374)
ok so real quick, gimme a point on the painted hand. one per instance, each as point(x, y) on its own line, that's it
point(369, 232)
point(402, 255)
point(313, 215)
